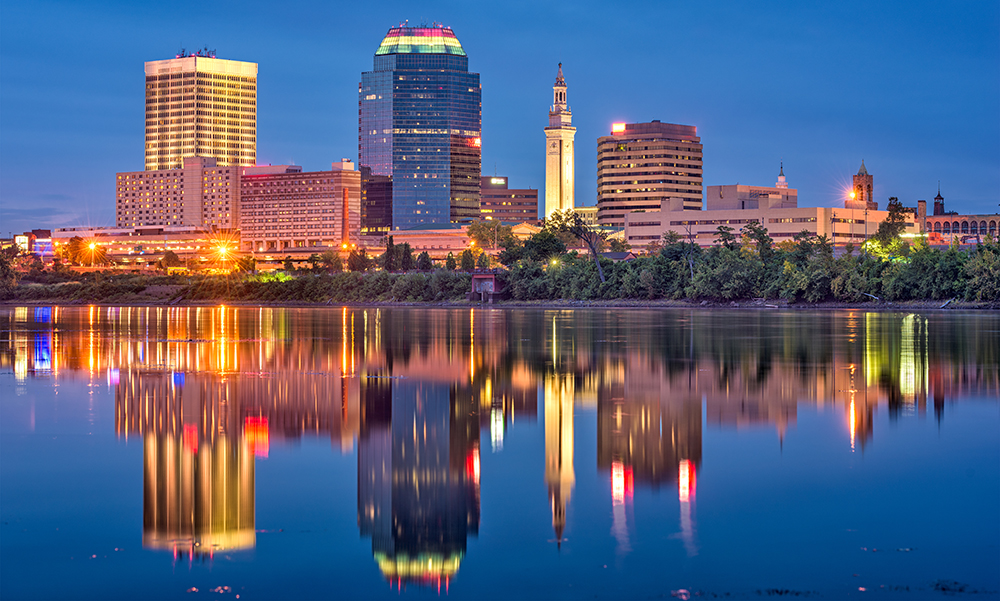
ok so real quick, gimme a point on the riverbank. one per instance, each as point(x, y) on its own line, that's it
point(440, 288)
point(764, 305)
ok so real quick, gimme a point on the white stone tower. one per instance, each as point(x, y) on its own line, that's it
point(560, 176)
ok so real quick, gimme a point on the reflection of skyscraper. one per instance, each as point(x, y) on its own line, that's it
point(198, 495)
point(198, 467)
point(559, 474)
point(647, 436)
point(418, 478)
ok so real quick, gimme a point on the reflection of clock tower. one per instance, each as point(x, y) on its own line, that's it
point(559, 161)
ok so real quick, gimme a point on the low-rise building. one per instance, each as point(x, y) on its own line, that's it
point(283, 207)
point(142, 246)
point(199, 194)
point(497, 202)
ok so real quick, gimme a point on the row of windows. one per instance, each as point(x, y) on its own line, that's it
point(965, 227)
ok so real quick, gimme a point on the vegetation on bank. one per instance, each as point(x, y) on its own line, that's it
point(741, 266)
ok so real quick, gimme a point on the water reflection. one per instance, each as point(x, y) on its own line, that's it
point(423, 392)
point(418, 478)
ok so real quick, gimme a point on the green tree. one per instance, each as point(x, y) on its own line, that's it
point(886, 242)
point(468, 260)
point(618, 245)
point(450, 263)
point(542, 246)
point(561, 223)
point(483, 262)
point(724, 236)
point(756, 238)
point(313, 261)
point(489, 234)
point(8, 275)
point(331, 261)
point(404, 256)
point(170, 259)
point(424, 262)
point(358, 260)
point(390, 262)
point(982, 269)
point(246, 264)
point(592, 238)
point(288, 265)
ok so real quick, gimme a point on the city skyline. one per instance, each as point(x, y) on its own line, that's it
point(911, 89)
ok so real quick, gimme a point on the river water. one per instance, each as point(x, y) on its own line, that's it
point(489, 453)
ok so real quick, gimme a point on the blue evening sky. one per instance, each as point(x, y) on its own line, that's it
point(911, 87)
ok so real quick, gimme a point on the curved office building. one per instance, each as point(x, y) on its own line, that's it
point(419, 128)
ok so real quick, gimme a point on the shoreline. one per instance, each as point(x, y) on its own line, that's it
point(763, 305)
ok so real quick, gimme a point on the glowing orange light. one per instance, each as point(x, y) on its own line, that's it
point(617, 128)
point(93, 246)
point(472, 242)
point(257, 435)
point(685, 480)
point(344, 246)
point(477, 142)
point(854, 194)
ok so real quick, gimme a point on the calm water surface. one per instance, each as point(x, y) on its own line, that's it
point(351, 453)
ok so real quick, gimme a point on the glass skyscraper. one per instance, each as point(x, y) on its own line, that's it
point(419, 128)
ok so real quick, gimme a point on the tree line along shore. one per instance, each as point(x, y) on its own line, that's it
point(744, 266)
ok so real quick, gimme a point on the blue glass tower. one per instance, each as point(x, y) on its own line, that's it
point(419, 128)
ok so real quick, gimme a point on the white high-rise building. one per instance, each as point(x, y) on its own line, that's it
point(560, 176)
point(200, 106)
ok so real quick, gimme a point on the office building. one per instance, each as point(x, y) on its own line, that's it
point(200, 105)
point(199, 193)
point(588, 215)
point(419, 127)
point(283, 207)
point(500, 203)
point(560, 152)
point(642, 164)
point(736, 206)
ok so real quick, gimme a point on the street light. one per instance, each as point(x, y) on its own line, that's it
point(93, 247)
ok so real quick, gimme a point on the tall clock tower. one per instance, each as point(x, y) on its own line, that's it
point(560, 177)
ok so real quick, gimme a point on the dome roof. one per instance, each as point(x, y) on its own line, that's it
point(420, 40)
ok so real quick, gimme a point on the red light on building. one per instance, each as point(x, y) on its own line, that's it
point(617, 483)
point(257, 435)
point(472, 464)
point(475, 142)
point(191, 437)
point(685, 480)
